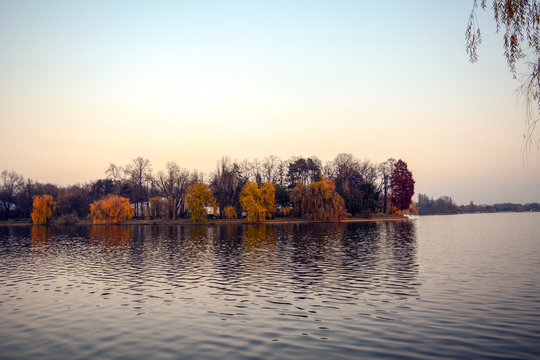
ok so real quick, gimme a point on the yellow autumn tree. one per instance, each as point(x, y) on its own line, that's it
point(230, 212)
point(198, 198)
point(111, 210)
point(258, 202)
point(268, 197)
point(318, 201)
point(43, 208)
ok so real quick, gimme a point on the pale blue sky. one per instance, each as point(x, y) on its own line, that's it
point(83, 84)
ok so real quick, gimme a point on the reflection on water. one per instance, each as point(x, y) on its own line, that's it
point(258, 236)
point(265, 291)
point(111, 235)
point(40, 235)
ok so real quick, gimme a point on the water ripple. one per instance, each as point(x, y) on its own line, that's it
point(280, 291)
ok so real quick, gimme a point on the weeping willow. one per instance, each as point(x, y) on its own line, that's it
point(318, 201)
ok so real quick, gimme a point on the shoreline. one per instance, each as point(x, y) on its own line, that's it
point(185, 222)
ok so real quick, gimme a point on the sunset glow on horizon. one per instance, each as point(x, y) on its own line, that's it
point(86, 84)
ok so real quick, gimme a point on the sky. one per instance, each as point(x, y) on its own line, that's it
point(87, 83)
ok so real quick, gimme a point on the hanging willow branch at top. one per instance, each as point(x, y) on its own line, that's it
point(519, 21)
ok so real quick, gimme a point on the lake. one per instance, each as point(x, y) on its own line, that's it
point(459, 286)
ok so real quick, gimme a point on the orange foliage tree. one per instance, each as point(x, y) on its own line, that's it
point(412, 210)
point(318, 201)
point(43, 208)
point(198, 198)
point(230, 212)
point(111, 210)
point(258, 202)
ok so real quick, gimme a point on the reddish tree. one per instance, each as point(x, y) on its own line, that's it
point(402, 186)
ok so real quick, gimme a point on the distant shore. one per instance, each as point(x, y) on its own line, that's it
point(279, 221)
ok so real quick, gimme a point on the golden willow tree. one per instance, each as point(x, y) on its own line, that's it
point(258, 202)
point(198, 198)
point(318, 201)
point(230, 212)
point(111, 210)
point(43, 209)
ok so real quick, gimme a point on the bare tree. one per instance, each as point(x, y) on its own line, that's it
point(116, 174)
point(173, 184)
point(139, 174)
point(270, 169)
point(257, 170)
point(368, 170)
point(251, 170)
point(10, 184)
point(344, 168)
point(245, 170)
point(328, 169)
point(196, 176)
point(386, 169)
point(226, 183)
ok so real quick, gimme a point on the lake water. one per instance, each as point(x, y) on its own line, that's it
point(464, 286)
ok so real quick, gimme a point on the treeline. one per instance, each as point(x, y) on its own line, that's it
point(441, 206)
point(445, 205)
point(505, 207)
point(301, 187)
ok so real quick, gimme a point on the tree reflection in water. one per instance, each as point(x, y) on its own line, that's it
point(258, 248)
point(111, 235)
point(342, 261)
point(310, 259)
point(41, 235)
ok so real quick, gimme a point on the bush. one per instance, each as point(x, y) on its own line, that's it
point(67, 219)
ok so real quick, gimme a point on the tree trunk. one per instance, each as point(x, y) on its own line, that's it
point(385, 198)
